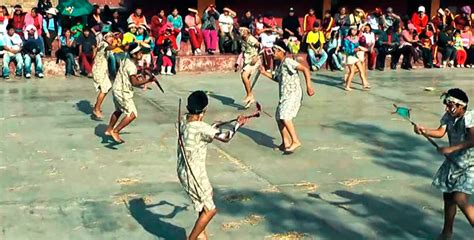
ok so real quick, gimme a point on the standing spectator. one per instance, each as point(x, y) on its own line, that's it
point(95, 22)
point(157, 24)
point(66, 51)
point(420, 19)
point(463, 19)
point(18, 20)
point(177, 22)
point(43, 6)
point(137, 17)
point(4, 19)
point(193, 26)
point(118, 24)
point(267, 39)
point(315, 40)
point(33, 50)
point(248, 21)
point(407, 43)
point(387, 43)
point(209, 28)
point(375, 20)
point(390, 19)
point(446, 47)
point(13, 46)
point(342, 20)
point(308, 21)
point(51, 29)
point(334, 48)
point(461, 54)
point(327, 23)
point(369, 37)
point(226, 26)
point(87, 46)
point(36, 19)
point(291, 25)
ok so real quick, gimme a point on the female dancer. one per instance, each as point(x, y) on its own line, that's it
point(355, 56)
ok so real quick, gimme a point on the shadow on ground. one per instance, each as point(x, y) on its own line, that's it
point(259, 138)
point(394, 150)
point(108, 142)
point(386, 216)
point(226, 101)
point(153, 223)
point(84, 106)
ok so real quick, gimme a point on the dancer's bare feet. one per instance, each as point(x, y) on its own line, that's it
point(108, 132)
point(97, 115)
point(248, 101)
point(293, 147)
point(116, 136)
point(348, 89)
point(280, 147)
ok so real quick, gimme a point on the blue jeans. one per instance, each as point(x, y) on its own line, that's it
point(114, 63)
point(337, 59)
point(314, 61)
point(69, 59)
point(18, 58)
point(38, 64)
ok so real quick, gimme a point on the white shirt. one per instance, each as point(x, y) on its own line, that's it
point(373, 21)
point(267, 40)
point(226, 23)
point(369, 38)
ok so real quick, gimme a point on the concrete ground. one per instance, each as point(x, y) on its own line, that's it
point(361, 173)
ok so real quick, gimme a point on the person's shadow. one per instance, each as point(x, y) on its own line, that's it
point(259, 138)
point(153, 223)
point(226, 101)
point(84, 106)
point(108, 142)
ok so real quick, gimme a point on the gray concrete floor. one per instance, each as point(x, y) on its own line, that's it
point(361, 174)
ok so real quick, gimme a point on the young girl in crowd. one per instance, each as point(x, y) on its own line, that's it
point(267, 38)
point(369, 37)
point(146, 44)
point(167, 52)
point(461, 54)
point(334, 48)
point(66, 52)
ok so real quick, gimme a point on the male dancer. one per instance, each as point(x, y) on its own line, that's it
point(122, 89)
point(250, 46)
point(194, 135)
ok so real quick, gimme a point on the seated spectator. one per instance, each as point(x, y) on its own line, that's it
point(420, 19)
point(51, 29)
point(137, 17)
point(18, 20)
point(12, 52)
point(291, 25)
point(87, 44)
point(163, 44)
point(468, 42)
point(43, 6)
point(446, 47)
point(387, 44)
point(449, 18)
point(95, 22)
point(439, 19)
point(334, 49)
point(357, 17)
point(116, 56)
point(177, 22)
point(369, 43)
point(226, 33)
point(248, 21)
point(35, 19)
point(78, 28)
point(117, 23)
point(426, 47)
point(157, 24)
point(66, 52)
point(407, 42)
point(267, 39)
point(130, 36)
point(342, 21)
point(375, 20)
point(145, 42)
point(209, 28)
point(269, 21)
point(315, 40)
point(193, 27)
point(463, 19)
point(308, 21)
point(328, 23)
point(259, 26)
point(461, 54)
point(33, 50)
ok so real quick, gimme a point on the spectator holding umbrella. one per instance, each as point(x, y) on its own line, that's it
point(177, 22)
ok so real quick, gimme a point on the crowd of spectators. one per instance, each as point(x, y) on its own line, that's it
point(443, 40)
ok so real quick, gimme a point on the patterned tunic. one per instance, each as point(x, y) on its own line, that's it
point(100, 70)
point(457, 174)
point(291, 94)
point(123, 89)
point(193, 177)
point(250, 52)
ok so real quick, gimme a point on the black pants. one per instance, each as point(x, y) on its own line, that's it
point(448, 52)
point(224, 39)
point(407, 52)
point(470, 55)
point(382, 54)
point(48, 42)
point(427, 56)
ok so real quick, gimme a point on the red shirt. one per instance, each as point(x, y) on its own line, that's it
point(18, 21)
point(308, 22)
point(460, 22)
point(420, 23)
